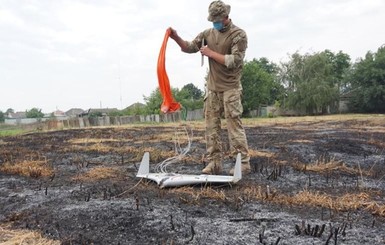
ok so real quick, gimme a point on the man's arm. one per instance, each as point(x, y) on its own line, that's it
point(182, 43)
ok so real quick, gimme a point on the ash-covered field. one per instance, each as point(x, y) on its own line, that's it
point(315, 180)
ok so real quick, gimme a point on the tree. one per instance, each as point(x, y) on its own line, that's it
point(191, 91)
point(260, 86)
point(34, 113)
point(95, 114)
point(117, 113)
point(2, 116)
point(368, 83)
point(9, 111)
point(190, 97)
point(135, 109)
point(340, 68)
point(313, 81)
point(154, 101)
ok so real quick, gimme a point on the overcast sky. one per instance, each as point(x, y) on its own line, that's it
point(63, 54)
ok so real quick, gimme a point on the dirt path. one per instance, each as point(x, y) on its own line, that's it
point(315, 181)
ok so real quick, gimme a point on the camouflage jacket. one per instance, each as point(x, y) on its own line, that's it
point(231, 42)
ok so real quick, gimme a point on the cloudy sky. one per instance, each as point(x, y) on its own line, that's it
point(63, 54)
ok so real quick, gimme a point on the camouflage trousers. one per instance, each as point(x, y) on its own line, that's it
point(229, 104)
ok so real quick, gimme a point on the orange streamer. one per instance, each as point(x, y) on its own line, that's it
point(169, 104)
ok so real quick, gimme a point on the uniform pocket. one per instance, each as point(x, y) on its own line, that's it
point(233, 103)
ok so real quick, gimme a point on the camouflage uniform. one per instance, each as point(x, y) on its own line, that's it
point(224, 90)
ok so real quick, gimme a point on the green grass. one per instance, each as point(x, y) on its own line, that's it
point(10, 130)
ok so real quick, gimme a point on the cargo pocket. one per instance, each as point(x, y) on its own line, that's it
point(233, 103)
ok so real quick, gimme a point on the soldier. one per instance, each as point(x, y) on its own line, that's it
point(225, 46)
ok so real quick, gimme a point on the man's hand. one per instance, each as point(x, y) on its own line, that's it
point(206, 51)
point(173, 33)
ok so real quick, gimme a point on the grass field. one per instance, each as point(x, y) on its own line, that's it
point(9, 130)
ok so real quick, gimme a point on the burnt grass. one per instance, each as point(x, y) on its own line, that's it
point(92, 196)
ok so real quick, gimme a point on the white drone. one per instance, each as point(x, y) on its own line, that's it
point(173, 179)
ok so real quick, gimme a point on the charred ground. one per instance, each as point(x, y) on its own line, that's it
point(315, 180)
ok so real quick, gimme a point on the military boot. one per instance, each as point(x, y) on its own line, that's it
point(213, 168)
point(245, 167)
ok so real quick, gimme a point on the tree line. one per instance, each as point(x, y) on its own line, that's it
point(310, 83)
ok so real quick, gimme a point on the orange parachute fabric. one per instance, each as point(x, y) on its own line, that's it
point(169, 104)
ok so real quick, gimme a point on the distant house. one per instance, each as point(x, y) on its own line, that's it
point(20, 117)
point(16, 115)
point(135, 106)
point(74, 112)
point(14, 118)
point(59, 115)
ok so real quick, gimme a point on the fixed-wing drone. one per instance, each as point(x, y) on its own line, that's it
point(176, 179)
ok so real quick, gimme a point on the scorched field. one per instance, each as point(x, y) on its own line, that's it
point(315, 180)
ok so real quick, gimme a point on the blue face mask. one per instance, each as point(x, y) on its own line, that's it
point(218, 25)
